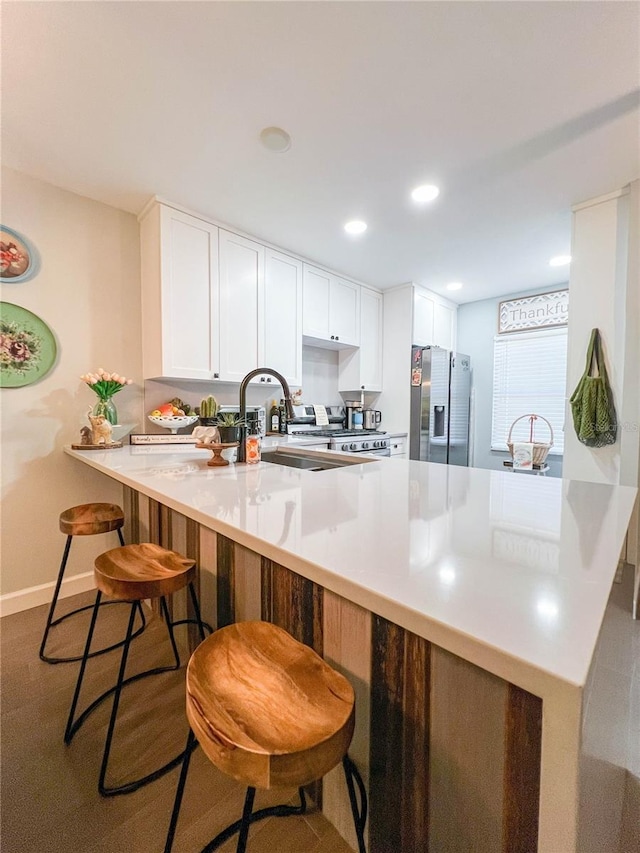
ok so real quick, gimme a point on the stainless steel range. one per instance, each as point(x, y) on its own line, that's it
point(352, 440)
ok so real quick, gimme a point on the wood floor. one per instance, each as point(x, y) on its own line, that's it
point(49, 797)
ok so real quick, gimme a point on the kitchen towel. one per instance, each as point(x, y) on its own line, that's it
point(523, 455)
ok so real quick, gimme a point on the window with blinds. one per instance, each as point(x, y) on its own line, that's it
point(529, 375)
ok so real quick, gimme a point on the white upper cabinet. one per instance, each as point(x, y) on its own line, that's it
point(283, 316)
point(361, 369)
point(331, 309)
point(434, 320)
point(344, 311)
point(423, 315)
point(179, 264)
point(217, 305)
point(316, 296)
point(443, 326)
point(241, 301)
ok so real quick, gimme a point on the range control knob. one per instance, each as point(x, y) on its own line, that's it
point(376, 444)
point(352, 447)
point(365, 445)
point(345, 446)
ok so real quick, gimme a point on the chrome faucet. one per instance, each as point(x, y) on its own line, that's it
point(241, 457)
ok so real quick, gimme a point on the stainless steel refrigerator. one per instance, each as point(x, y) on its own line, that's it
point(440, 398)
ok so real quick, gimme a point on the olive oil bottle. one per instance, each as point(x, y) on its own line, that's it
point(274, 417)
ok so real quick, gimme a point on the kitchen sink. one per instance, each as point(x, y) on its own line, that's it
point(308, 461)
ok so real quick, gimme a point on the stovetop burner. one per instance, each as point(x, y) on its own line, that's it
point(336, 433)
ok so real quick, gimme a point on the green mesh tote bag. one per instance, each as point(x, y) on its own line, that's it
point(594, 415)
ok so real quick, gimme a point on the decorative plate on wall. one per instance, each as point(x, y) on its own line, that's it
point(18, 258)
point(27, 347)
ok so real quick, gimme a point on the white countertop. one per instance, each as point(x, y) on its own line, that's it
point(512, 573)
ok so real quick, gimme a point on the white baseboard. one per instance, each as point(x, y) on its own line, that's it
point(33, 596)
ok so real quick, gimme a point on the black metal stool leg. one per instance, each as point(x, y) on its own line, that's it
point(51, 622)
point(196, 610)
point(116, 699)
point(359, 814)
point(177, 803)
point(71, 727)
point(246, 820)
point(254, 817)
point(198, 620)
point(165, 612)
point(156, 774)
point(54, 600)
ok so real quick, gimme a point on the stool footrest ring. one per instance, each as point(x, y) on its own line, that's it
point(48, 659)
point(129, 787)
point(89, 709)
point(261, 814)
point(193, 622)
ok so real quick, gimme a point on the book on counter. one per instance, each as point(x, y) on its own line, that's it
point(156, 438)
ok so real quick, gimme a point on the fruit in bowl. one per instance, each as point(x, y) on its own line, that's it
point(173, 415)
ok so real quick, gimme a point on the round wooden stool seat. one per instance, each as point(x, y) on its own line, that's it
point(89, 519)
point(135, 572)
point(266, 709)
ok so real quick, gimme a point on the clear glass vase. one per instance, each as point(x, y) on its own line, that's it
point(105, 406)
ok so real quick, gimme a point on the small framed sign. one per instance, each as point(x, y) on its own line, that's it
point(542, 311)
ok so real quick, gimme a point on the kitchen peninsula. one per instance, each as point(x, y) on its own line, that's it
point(463, 604)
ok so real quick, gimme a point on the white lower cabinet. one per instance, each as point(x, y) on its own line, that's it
point(398, 446)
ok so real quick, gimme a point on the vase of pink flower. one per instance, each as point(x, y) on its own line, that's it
point(105, 386)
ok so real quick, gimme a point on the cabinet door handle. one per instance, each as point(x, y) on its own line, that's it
point(216, 376)
point(337, 337)
point(333, 337)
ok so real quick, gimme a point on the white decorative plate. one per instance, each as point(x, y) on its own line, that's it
point(173, 423)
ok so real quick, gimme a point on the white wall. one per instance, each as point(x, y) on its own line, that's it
point(88, 292)
point(601, 293)
point(319, 385)
point(477, 324)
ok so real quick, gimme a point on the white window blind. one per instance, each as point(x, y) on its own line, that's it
point(529, 375)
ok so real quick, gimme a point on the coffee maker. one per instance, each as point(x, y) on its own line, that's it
point(353, 410)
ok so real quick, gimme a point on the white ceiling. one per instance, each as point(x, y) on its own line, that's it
point(516, 110)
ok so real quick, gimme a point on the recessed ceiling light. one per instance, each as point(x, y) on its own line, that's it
point(275, 139)
point(356, 226)
point(455, 285)
point(560, 261)
point(425, 193)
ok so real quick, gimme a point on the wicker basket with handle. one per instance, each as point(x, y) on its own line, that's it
point(540, 448)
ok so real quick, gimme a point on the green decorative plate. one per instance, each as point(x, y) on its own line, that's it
point(27, 347)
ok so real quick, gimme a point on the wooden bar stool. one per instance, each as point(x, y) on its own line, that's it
point(83, 520)
point(133, 573)
point(270, 712)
